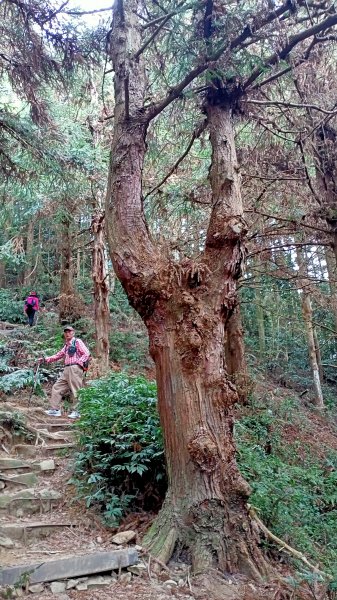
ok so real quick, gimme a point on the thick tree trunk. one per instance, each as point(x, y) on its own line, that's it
point(186, 306)
point(205, 510)
point(101, 292)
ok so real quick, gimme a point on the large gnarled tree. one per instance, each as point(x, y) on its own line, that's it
point(186, 304)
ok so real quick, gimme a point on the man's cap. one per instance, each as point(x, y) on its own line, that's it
point(68, 328)
point(32, 293)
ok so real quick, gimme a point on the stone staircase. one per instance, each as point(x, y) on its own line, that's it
point(47, 541)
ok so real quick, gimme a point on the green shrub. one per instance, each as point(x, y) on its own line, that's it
point(130, 347)
point(16, 380)
point(11, 308)
point(294, 491)
point(120, 465)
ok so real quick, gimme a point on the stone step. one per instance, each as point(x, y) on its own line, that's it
point(22, 480)
point(17, 465)
point(47, 449)
point(56, 425)
point(69, 566)
point(54, 436)
point(29, 501)
point(30, 530)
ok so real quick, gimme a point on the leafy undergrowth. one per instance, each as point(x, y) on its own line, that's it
point(287, 452)
point(120, 465)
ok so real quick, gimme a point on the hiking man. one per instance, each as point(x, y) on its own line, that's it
point(76, 356)
point(31, 307)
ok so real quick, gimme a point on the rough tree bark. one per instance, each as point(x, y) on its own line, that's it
point(100, 292)
point(186, 307)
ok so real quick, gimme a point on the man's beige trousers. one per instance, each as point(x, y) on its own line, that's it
point(71, 380)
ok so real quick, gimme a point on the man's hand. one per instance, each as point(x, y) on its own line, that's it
point(41, 360)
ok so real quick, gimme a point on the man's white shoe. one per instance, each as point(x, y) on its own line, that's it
point(74, 415)
point(53, 412)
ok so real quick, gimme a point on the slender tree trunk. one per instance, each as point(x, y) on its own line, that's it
point(29, 252)
point(259, 306)
point(78, 264)
point(71, 307)
point(309, 327)
point(2, 274)
point(186, 306)
point(101, 292)
point(260, 322)
point(318, 356)
point(332, 274)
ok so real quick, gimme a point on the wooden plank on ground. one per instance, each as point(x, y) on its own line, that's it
point(69, 567)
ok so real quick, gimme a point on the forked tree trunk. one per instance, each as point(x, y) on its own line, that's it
point(101, 292)
point(185, 306)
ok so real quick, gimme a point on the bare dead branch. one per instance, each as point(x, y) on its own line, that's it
point(197, 132)
point(294, 40)
point(79, 13)
point(154, 34)
point(292, 105)
point(289, 220)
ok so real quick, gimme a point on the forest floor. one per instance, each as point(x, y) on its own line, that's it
point(57, 524)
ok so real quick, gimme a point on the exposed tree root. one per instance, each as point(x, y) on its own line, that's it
point(161, 539)
point(284, 546)
point(206, 536)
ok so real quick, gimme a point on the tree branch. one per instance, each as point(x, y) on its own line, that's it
point(246, 33)
point(196, 133)
point(293, 41)
point(291, 105)
point(154, 34)
point(288, 220)
point(79, 13)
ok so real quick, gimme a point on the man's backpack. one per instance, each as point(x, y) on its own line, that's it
point(30, 301)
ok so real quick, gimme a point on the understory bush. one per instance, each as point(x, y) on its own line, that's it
point(120, 465)
point(16, 380)
point(293, 490)
point(11, 308)
point(130, 348)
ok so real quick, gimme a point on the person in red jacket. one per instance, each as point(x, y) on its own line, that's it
point(31, 307)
